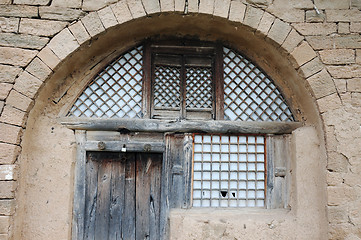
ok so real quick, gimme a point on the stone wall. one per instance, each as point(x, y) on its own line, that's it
point(322, 41)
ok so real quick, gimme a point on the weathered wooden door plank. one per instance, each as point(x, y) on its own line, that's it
point(128, 223)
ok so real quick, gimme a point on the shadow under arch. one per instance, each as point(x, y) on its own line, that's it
point(81, 65)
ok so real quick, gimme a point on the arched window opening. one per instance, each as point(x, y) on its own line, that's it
point(203, 81)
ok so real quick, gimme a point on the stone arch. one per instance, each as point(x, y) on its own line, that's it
point(243, 26)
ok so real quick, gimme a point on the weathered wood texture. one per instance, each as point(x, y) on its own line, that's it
point(122, 199)
point(186, 126)
point(278, 177)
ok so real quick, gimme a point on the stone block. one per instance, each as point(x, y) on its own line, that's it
point(7, 189)
point(287, 4)
point(340, 85)
point(165, 5)
point(266, 23)
point(66, 3)
point(9, 24)
point(332, 4)
point(313, 17)
point(279, 31)
point(352, 179)
point(19, 100)
point(322, 84)
point(7, 172)
point(315, 28)
point(349, 15)
point(343, 28)
point(121, 11)
point(8, 73)
point(337, 162)
point(237, 11)
point(260, 3)
point(13, 116)
point(337, 214)
point(136, 8)
point(356, 4)
point(16, 56)
point(4, 224)
point(355, 27)
point(151, 6)
point(5, 1)
point(4, 90)
point(22, 41)
point(292, 41)
point(107, 17)
point(221, 8)
point(93, 24)
point(290, 15)
point(329, 103)
point(358, 55)
point(41, 27)
point(60, 14)
point(39, 69)
point(354, 85)
point(332, 42)
point(32, 2)
point(179, 6)
point(206, 6)
point(303, 53)
point(334, 178)
point(193, 6)
point(253, 17)
point(93, 5)
point(336, 196)
point(356, 99)
point(7, 207)
point(2, 104)
point(19, 11)
point(312, 67)
point(27, 84)
point(63, 44)
point(347, 71)
point(49, 57)
point(8, 155)
point(338, 56)
point(79, 32)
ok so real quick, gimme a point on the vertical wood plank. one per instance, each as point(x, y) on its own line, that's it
point(155, 191)
point(79, 189)
point(142, 198)
point(117, 200)
point(187, 166)
point(128, 224)
point(270, 171)
point(219, 83)
point(103, 197)
point(176, 184)
point(92, 165)
point(147, 81)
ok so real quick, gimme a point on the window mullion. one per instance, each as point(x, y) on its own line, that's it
point(218, 84)
point(183, 88)
point(147, 83)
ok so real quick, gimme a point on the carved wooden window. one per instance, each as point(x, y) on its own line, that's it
point(182, 80)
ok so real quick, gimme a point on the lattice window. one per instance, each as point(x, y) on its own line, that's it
point(167, 87)
point(199, 92)
point(116, 91)
point(249, 95)
point(229, 171)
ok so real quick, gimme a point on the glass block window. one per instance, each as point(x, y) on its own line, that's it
point(228, 171)
point(249, 95)
point(116, 91)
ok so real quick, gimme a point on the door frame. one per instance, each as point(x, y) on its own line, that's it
point(114, 142)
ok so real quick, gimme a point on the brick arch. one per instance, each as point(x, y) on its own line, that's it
point(72, 38)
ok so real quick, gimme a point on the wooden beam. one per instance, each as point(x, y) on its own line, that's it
point(184, 126)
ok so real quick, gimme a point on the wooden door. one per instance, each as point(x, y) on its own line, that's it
point(122, 196)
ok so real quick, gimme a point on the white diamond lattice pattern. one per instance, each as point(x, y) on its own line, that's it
point(249, 95)
point(199, 87)
point(116, 91)
point(228, 171)
point(167, 87)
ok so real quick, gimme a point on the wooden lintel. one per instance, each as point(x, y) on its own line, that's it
point(122, 146)
point(184, 126)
